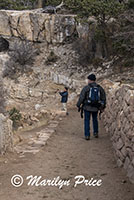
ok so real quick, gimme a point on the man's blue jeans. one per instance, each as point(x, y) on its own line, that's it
point(87, 122)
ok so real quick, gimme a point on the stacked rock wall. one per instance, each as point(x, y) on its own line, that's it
point(119, 123)
point(6, 137)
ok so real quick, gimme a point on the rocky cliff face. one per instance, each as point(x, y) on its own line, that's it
point(37, 27)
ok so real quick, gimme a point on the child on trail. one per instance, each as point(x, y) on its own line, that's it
point(64, 99)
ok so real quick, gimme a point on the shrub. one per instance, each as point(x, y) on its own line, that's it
point(23, 53)
point(15, 116)
point(52, 58)
point(130, 4)
point(119, 47)
point(22, 57)
point(129, 63)
point(97, 62)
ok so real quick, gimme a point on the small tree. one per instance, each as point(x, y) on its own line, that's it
point(15, 116)
point(103, 10)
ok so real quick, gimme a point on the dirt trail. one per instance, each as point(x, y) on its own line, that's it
point(67, 155)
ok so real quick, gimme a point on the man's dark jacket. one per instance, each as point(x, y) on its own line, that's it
point(64, 95)
point(84, 97)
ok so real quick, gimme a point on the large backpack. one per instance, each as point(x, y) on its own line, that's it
point(93, 98)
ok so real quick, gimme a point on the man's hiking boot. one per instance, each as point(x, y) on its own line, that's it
point(96, 135)
point(87, 138)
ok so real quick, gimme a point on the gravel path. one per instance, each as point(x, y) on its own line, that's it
point(67, 154)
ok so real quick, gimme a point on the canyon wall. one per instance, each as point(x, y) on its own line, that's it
point(36, 26)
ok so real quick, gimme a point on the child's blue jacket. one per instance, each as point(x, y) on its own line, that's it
point(64, 98)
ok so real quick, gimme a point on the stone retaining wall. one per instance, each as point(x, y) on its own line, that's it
point(65, 80)
point(6, 136)
point(119, 123)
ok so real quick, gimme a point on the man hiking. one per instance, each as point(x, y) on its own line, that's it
point(64, 99)
point(92, 99)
